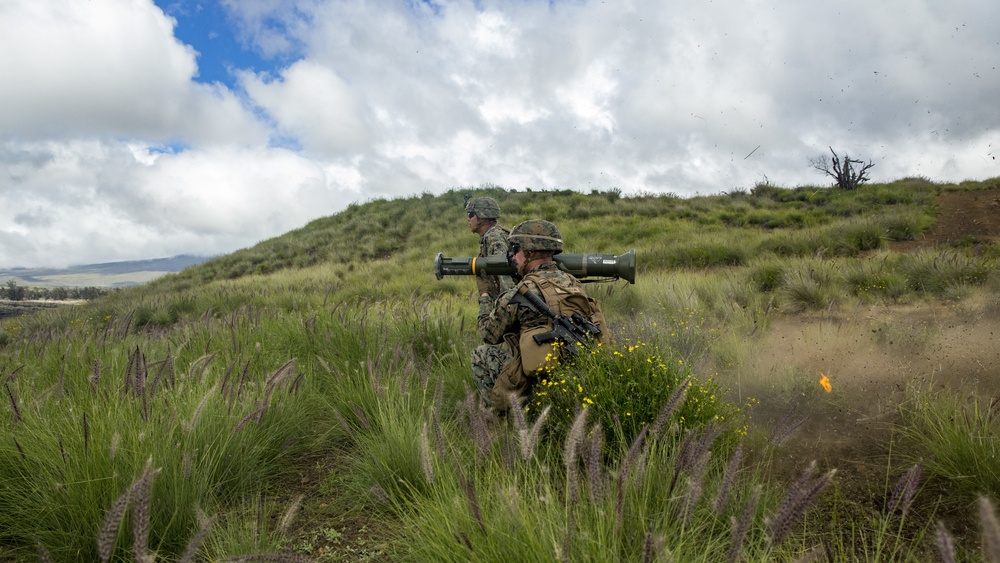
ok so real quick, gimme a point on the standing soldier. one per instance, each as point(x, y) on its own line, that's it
point(483, 214)
point(510, 361)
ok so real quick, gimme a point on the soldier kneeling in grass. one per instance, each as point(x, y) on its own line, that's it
point(534, 324)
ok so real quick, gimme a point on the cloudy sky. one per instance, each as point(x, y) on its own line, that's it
point(134, 129)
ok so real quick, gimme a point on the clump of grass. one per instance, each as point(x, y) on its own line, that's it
point(937, 272)
point(906, 225)
point(956, 437)
point(856, 237)
point(808, 288)
point(767, 276)
point(707, 255)
point(875, 280)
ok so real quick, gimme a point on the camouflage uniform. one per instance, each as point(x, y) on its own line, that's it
point(501, 317)
point(503, 365)
point(492, 243)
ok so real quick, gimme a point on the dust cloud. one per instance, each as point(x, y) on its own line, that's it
point(870, 356)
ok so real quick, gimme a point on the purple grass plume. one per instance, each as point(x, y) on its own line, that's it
point(536, 430)
point(722, 496)
point(742, 526)
point(425, 455)
point(480, 420)
point(290, 514)
point(669, 407)
point(623, 472)
point(904, 491)
point(527, 437)
point(469, 484)
point(517, 416)
point(945, 544)
point(109, 530)
point(343, 423)
point(595, 472)
point(990, 528)
point(652, 547)
point(141, 493)
point(191, 551)
point(796, 502)
point(572, 444)
point(13, 404)
point(785, 428)
point(86, 434)
point(95, 374)
point(361, 416)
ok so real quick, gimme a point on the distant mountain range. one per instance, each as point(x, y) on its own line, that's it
point(109, 274)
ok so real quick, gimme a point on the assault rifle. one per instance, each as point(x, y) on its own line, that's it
point(572, 330)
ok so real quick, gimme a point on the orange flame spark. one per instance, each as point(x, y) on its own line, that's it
point(825, 382)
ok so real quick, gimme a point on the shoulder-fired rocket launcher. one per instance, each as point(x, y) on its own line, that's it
point(607, 267)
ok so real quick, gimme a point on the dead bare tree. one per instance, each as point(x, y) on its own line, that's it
point(849, 173)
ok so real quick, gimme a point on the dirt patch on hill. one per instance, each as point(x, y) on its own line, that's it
point(869, 357)
point(969, 216)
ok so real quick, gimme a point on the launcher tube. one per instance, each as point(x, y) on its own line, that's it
point(579, 265)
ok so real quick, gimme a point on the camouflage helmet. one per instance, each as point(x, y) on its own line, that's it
point(536, 234)
point(483, 207)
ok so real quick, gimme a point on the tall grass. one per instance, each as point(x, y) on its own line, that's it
point(956, 436)
point(213, 429)
point(674, 493)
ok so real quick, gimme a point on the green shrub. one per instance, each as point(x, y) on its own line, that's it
point(806, 290)
point(860, 237)
point(625, 387)
point(938, 272)
point(706, 255)
point(791, 244)
point(905, 226)
point(767, 277)
point(874, 280)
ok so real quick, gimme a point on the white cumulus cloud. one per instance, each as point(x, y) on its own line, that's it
point(112, 148)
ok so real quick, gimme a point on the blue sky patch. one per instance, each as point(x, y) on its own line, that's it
point(212, 32)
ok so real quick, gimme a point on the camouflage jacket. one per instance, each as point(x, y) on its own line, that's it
point(501, 317)
point(493, 242)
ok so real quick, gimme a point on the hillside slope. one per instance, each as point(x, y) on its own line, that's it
point(602, 222)
point(320, 354)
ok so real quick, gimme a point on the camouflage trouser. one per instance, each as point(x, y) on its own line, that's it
point(487, 361)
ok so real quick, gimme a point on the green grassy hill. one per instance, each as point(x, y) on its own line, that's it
point(308, 396)
point(669, 232)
